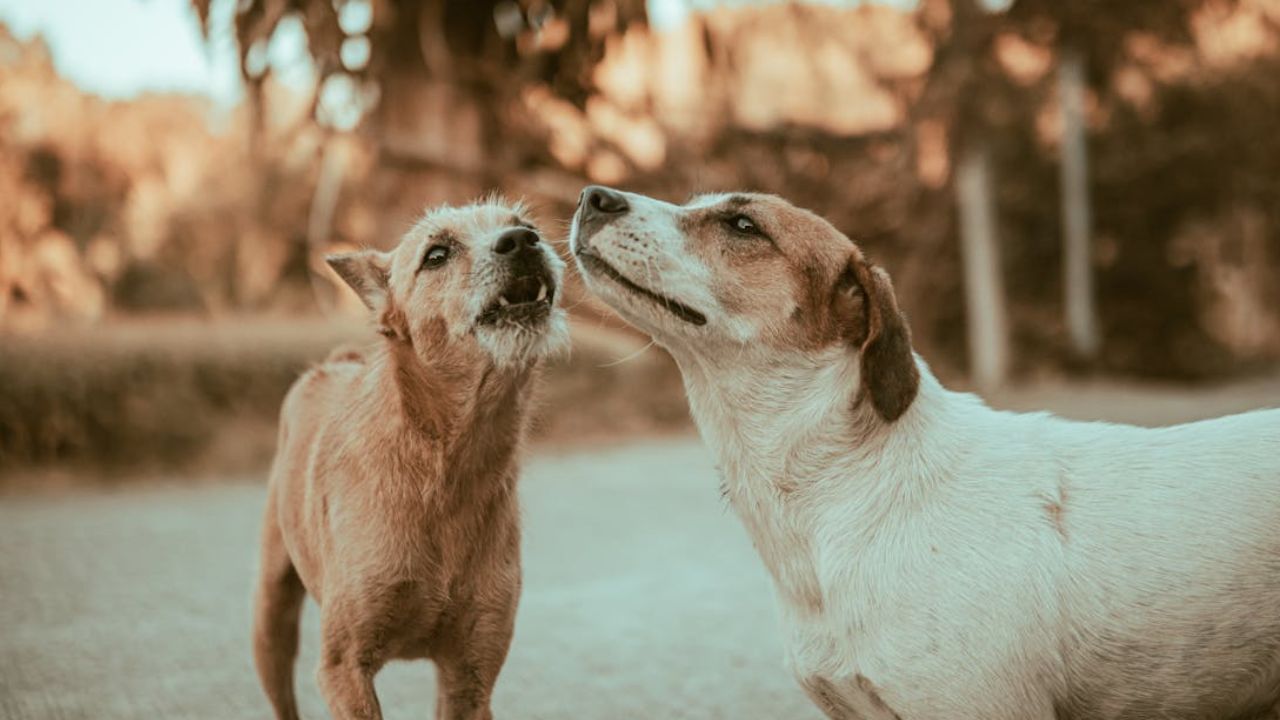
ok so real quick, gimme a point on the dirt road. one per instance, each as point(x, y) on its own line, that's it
point(643, 599)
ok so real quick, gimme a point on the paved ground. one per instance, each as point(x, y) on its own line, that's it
point(643, 599)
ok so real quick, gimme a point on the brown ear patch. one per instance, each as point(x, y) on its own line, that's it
point(889, 374)
point(827, 314)
point(366, 273)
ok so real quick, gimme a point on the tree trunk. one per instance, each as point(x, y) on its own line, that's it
point(983, 285)
point(1081, 313)
point(324, 203)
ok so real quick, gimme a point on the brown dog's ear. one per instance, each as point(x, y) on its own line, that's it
point(889, 374)
point(367, 273)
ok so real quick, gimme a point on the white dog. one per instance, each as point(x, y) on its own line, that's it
point(935, 558)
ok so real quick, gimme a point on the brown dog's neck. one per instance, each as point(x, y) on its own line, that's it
point(467, 411)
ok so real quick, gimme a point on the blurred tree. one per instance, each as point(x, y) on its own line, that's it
point(1077, 276)
point(434, 79)
point(956, 97)
point(432, 85)
point(1090, 35)
point(968, 93)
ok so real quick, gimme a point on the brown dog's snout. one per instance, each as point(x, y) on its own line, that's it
point(519, 241)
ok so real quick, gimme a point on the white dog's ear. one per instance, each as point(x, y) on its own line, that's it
point(889, 374)
point(367, 272)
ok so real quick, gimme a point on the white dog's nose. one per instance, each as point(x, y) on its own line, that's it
point(602, 201)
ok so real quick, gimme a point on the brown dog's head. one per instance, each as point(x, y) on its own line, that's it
point(725, 274)
point(478, 276)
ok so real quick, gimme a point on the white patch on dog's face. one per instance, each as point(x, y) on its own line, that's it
point(484, 272)
point(643, 265)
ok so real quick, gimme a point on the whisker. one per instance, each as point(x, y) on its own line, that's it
point(630, 357)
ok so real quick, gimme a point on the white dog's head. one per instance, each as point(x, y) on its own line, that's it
point(477, 276)
point(733, 271)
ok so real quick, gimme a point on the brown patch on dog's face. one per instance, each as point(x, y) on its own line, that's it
point(807, 286)
point(778, 265)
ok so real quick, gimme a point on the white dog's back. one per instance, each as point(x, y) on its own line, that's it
point(1172, 563)
point(1116, 569)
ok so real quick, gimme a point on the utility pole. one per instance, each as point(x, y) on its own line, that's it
point(1078, 295)
point(983, 281)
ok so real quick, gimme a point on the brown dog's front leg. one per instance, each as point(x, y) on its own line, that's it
point(467, 666)
point(346, 673)
point(348, 691)
point(463, 690)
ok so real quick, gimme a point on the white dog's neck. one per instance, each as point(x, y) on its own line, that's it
point(763, 418)
point(785, 432)
point(756, 413)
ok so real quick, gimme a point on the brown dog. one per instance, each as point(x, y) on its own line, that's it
point(392, 496)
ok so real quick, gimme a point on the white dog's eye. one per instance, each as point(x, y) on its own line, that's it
point(436, 256)
point(744, 225)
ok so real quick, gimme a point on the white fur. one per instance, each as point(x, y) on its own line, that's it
point(517, 346)
point(966, 563)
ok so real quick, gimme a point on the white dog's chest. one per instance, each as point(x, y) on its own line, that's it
point(872, 654)
point(877, 620)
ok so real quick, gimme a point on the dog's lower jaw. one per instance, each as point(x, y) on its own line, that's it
point(664, 328)
point(515, 346)
point(593, 265)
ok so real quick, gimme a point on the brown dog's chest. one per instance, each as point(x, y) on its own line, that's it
point(416, 611)
point(418, 616)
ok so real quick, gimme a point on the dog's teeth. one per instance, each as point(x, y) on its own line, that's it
point(503, 301)
point(542, 291)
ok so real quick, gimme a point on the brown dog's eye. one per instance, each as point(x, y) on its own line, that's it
point(436, 256)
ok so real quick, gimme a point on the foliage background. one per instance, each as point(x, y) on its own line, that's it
point(146, 218)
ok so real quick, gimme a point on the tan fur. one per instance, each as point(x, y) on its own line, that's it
point(392, 497)
point(797, 268)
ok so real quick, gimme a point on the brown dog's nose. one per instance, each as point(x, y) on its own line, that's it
point(597, 200)
point(518, 239)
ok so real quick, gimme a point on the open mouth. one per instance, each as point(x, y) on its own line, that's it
point(524, 300)
point(597, 264)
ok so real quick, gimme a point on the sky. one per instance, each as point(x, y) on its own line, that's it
point(153, 46)
point(156, 45)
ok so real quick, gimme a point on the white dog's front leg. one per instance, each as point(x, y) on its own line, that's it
point(848, 699)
